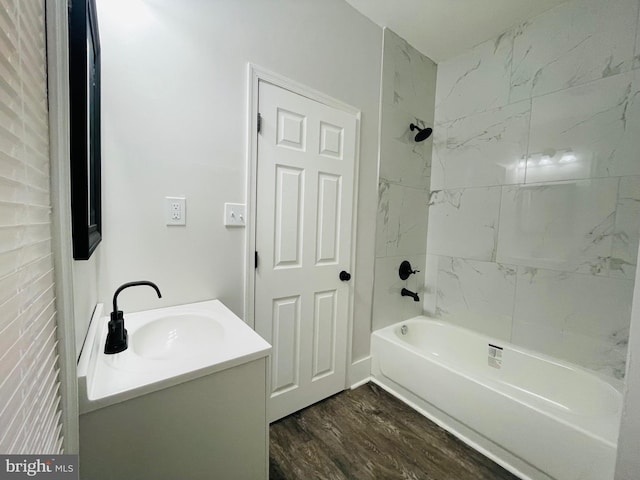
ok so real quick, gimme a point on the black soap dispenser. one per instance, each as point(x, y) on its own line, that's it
point(117, 334)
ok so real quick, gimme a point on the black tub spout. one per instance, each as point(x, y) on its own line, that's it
point(409, 293)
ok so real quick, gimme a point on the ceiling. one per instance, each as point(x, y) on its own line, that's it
point(442, 29)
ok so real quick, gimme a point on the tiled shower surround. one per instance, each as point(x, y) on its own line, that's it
point(408, 93)
point(534, 210)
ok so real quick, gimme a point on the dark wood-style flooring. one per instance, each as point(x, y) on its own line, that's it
point(367, 434)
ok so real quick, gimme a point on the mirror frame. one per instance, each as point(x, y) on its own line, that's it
point(84, 111)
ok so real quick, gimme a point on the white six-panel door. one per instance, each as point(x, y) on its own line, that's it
point(305, 189)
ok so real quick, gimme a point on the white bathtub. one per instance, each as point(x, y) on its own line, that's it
point(530, 413)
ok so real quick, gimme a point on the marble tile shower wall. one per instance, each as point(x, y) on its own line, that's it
point(534, 213)
point(408, 96)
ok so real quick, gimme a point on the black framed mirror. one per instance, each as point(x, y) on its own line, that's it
point(84, 93)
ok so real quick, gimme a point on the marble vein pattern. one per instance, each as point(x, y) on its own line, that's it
point(562, 314)
point(382, 218)
point(587, 131)
point(476, 295)
point(536, 168)
point(402, 224)
point(572, 44)
point(475, 81)
point(430, 298)
point(606, 357)
point(483, 149)
point(464, 223)
point(402, 160)
point(636, 50)
point(409, 78)
point(390, 305)
point(408, 96)
point(624, 255)
point(565, 226)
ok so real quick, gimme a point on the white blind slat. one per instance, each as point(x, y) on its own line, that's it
point(46, 401)
point(30, 413)
point(18, 357)
point(49, 421)
point(18, 404)
point(12, 285)
point(8, 291)
point(40, 400)
point(57, 445)
point(56, 426)
point(14, 331)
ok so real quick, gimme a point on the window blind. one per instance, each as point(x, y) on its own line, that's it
point(30, 412)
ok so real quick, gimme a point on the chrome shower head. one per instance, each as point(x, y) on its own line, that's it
point(423, 133)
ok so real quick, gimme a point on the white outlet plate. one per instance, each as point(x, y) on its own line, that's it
point(234, 215)
point(175, 210)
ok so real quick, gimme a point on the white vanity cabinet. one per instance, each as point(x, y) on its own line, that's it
point(204, 419)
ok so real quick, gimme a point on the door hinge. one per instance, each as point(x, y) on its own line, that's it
point(255, 260)
point(259, 122)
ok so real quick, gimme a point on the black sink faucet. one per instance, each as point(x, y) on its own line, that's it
point(117, 334)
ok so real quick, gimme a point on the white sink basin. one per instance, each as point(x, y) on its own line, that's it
point(176, 336)
point(167, 346)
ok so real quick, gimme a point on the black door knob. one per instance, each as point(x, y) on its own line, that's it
point(345, 276)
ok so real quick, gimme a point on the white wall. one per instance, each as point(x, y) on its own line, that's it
point(85, 295)
point(534, 213)
point(174, 85)
point(408, 96)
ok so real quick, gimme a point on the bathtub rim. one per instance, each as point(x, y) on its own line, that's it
point(387, 334)
point(616, 384)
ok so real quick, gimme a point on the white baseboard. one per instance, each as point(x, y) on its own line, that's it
point(497, 454)
point(360, 383)
point(359, 372)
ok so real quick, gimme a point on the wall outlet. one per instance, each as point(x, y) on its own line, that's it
point(234, 215)
point(175, 211)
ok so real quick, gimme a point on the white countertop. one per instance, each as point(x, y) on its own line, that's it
point(108, 379)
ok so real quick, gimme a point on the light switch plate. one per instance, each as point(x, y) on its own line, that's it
point(234, 215)
point(175, 211)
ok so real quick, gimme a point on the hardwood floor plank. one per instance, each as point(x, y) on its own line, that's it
point(367, 434)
